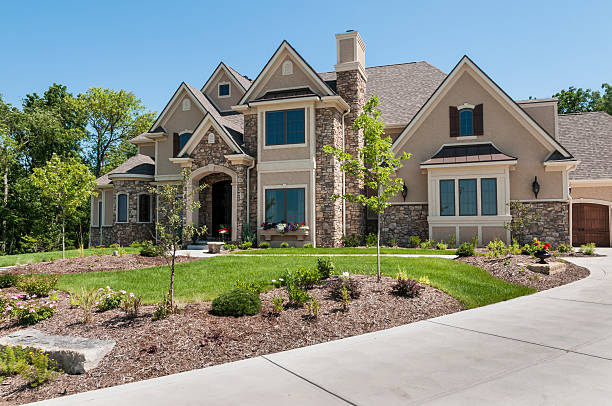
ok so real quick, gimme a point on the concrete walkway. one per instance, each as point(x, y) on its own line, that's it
point(550, 348)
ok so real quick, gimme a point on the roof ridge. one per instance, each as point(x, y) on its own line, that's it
point(389, 64)
point(584, 112)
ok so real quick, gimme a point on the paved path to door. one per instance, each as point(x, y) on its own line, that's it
point(551, 348)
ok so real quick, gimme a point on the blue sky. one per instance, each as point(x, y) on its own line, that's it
point(530, 48)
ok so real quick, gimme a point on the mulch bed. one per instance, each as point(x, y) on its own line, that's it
point(95, 264)
point(194, 338)
point(513, 268)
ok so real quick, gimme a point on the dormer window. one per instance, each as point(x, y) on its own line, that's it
point(466, 122)
point(186, 104)
point(224, 89)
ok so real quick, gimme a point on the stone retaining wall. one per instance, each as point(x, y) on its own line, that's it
point(402, 221)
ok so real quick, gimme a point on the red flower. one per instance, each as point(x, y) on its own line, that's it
point(536, 243)
point(547, 245)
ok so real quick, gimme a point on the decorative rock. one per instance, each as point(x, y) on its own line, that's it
point(74, 355)
point(115, 253)
point(551, 268)
point(214, 247)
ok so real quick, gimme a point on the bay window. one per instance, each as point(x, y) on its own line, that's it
point(464, 193)
point(447, 198)
point(488, 196)
point(467, 197)
point(285, 205)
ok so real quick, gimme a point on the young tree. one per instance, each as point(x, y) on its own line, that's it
point(375, 164)
point(67, 183)
point(115, 117)
point(175, 200)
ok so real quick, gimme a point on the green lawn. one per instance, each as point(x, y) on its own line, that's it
point(23, 259)
point(207, 278)
point(319, 251)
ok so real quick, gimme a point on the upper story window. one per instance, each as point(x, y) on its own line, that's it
point(183, 138)
point(285, 127)
point(285, 205)
point(466, 122)
point(186, 104)
point(224, 89)
point(122, 208)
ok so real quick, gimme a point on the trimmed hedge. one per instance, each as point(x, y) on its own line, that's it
point(237, 302)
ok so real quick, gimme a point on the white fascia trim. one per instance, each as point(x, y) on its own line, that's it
point(156, 136)
point(139, 142)
point(229, 73)
point(199, 133)
point(335, 101)
point(450, 79)
point(240, 159)
point(162, 178)
point(262, 76)
point(292, 165)
point(560, 166)
point(130, 176)
point(182, 162)
point(490, 163)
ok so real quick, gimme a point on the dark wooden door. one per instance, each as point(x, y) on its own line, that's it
point(590, 223)
point(221, 206)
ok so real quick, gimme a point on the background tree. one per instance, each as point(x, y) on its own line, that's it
point(176, 199)
point(375, 164)
point(67, 183)
point(578, 100)
point(113, 117)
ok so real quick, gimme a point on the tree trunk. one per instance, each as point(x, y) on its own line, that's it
point(63, 237)
point(378, 248)
point(172, 276)
point(4, 205)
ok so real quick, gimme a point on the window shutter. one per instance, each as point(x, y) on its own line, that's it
point(478, 122)
point(175, 144)
point(454, 121)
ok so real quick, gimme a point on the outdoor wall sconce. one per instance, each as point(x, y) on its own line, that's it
point(404, 191)
point(535, 186)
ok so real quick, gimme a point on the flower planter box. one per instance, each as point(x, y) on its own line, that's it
point(299, 234)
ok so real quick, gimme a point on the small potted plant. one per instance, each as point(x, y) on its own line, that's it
point(542, 251)
point(223, 231)
point(281, 228)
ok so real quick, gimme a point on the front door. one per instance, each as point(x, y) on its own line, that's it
point(221, 207)
point(590, 223)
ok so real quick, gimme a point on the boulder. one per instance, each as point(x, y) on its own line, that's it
point(550, 268)
point(74, 355)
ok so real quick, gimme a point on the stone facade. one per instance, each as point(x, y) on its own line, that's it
point(402, 221)
point(351, 86)
point(206, 200)
point(328, 177)
point(552, 223)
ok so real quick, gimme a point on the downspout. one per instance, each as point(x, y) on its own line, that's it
point(248, 193)
point(344, 176)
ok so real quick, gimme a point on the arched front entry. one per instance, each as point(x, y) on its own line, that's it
point(591, 223)
point(217, 201)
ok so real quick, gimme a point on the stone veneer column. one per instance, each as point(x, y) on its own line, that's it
point(351, 86)
point(250, 144)
point(328, 178)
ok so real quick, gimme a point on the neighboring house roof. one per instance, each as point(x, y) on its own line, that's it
point(401, 89)
point(588, 136)
point(467, 153)
point(139, 164)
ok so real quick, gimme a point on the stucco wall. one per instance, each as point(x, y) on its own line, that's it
point(500, 127)
point(147, 149)
point(224, 103)
point(596, 193)
point(544, 114)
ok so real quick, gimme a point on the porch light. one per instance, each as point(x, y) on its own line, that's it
point(535, 186)
point(404, 191)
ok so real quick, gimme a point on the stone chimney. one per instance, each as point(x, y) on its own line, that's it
point(351, 80)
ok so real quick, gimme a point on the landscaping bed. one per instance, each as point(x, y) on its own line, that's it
point(513, 268)
point(95, 264)
point(194, 338)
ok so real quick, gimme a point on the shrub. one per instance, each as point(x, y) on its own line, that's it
point(131, 305)
point(325, 267)
point(8, 279)
point(565, 248)
point(466, 249)
point(393, 242)
point(313, 308)
point(297, 295)
point(308, 245)
point(344, 282)
point(230, 247)
point(278, 304)
point(371, 240)
point(497, 248)
point(302, 277)
point(588, 249)
point(164, 308)
point(136, 244)
point(39, 285)
point(33, 312)
point(284, 245)
point(251, 286)
point(406, 287)
point(415, 241)
point(237, 302)
point(514, 248)
point(42, 368)
point(428, 244)
point(441, 246)
point(13, 360)
point(114, 246)
point(424, 280)
point(108, 299)
point(148, 249)
point(86, 301)
point(264, 245)
point(247, 245)
point(349, 242)
point(452, 240)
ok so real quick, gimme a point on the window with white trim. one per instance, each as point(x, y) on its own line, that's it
point(285, 127)
point(122, 208)
point(285, 205)
point(224, 89)
point(467, 192)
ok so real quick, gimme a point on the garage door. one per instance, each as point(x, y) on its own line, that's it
point(590, 223)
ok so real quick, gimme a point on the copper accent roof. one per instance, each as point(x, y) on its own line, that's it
point(469, 153)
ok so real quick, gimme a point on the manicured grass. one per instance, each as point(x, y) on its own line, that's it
point(207, 278)
point(319, 251)
point(24, 259)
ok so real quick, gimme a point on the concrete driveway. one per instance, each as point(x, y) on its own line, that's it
point(550, 348)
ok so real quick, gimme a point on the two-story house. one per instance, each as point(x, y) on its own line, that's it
point(258, 146)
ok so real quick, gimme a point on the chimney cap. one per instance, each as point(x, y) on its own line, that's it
point(350, 30)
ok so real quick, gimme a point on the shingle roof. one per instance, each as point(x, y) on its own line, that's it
point(459, 154)
point(287, 94)
point(244, 81)
point(588, 136)
point(139, 164)
point(402, 89)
